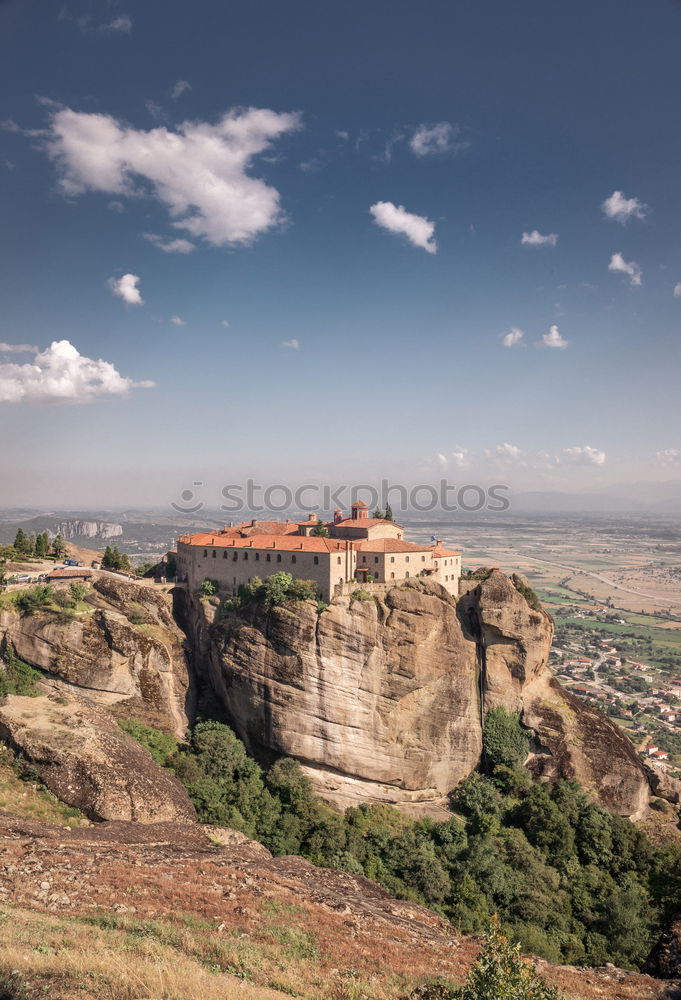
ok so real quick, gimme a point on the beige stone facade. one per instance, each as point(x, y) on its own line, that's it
point(357, 548)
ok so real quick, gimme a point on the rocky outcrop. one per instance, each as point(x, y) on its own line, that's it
point(665, 959)
point(384, 699)
point(86, 760)
point(127, 652)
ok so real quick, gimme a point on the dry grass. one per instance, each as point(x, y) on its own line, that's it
point(30, 799)
point(66, 959)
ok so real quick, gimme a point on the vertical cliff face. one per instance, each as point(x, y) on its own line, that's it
point(384, 699)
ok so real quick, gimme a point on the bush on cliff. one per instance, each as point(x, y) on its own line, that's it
point(280, 588)
point(505, 740)
point(17, 677)
point(500, 973)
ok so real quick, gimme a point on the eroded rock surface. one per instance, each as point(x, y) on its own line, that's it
point(87, 761)
point(384, 699)
point(140, 664)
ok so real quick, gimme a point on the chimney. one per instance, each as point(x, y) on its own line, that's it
point(313, 517)
point(337, 515)
point(254, 522)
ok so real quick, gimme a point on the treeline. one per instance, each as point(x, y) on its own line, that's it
point(568, 880)
point(113, 559)
point(31, 545)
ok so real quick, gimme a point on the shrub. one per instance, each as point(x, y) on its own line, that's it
point(500, 972)
point(36, 597)
point(18, 677)
point(160, 745)
point(78, 591)
point(360, 595)
point(209, 587)
point(505, 740)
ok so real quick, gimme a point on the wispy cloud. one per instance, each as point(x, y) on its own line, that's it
point(180, 88)
point(513, 337)
point(457, 459)
point(668, 456)
point(622, 209)
point(535, 239)
point(396, 219)
point(677, 291)
point(554, 339)
point(293, 344)
point(630, 268)
point(199, 172)
point(431, 140)
point(584, 455)
point(177, 321)
point(119, 25)
point(179, 245)
point(17, 348)
point(60, 372)
point(225, 322)
point(126, 288)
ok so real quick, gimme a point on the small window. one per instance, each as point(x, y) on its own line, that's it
point(340, 579)
point(205, 553)
point(316, 560)
point(268, 557)
point(392, 559)
point(406, 574)
point(278, 558)
point(375, 559)
point(423, 558)
point(392, 576)
point(406, 558)
point(364, 558)
point(339, 562)
point(293, 559)
point(214, 553)
point(245, 555)
point(257, 557)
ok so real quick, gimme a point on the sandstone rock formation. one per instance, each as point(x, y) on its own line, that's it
point(86, 760)
point(114, 660)
point(384, 699)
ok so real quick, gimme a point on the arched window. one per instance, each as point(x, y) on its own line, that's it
point(392, 576)
point(339, 562)
point(257, 557)
point(214, 553)
point(423, 558)
point(205, 553)
point(392, 559)
point(406, 558)
point(235, 557)
point(293, 559)
point(245, 555)
point(278, 557)
point(268, 557)
point(406, 574)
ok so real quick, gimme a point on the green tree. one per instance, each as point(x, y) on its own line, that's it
point(42, 545)
point(22, 543)
point(209, 587)
point(108, 558)
point(378, 513)
point(505, 741)
point(388, 513)
point(320, 531)
point(77, 591)
point(59, 546)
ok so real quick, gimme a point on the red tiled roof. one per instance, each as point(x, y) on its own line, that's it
point(247, 528)
point(272, 543)
point(363, 522)
point(64, 574)
point(390, 545)
point(440, 551)
point(360, 503)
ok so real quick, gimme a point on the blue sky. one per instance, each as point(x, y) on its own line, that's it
point(353, 181)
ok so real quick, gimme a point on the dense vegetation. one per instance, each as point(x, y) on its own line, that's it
point(280, 588)
point(17, 677)
point(113, 559)
point(568, 880)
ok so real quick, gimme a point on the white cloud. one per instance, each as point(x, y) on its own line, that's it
point(61, 373)
point(535, 239)
point(677, 291)
point(506, 452)
point(180, 88)
point(668, 456)
point(17, 348)
point(457, 458)
point(513, 337)
point(618, 263)
point(177, 321)
point(418, 230)
point(126, 289)
point(622, 209)
point(179, 245)
point(199, 172)
point(554, 339)
point(225, 322)
point(585, 455)
point(123, 23)
point(429, 140)
point(116, 206)
point(293, 344)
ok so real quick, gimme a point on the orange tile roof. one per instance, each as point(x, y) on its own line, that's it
point(71, 571)
point(272, 543)
point(440, 551)
point(247, 528)
point(363, 522)
point(390, 545)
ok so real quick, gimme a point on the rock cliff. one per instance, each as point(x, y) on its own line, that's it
point(384, 699)
point(127, 652)
point(85, 759)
